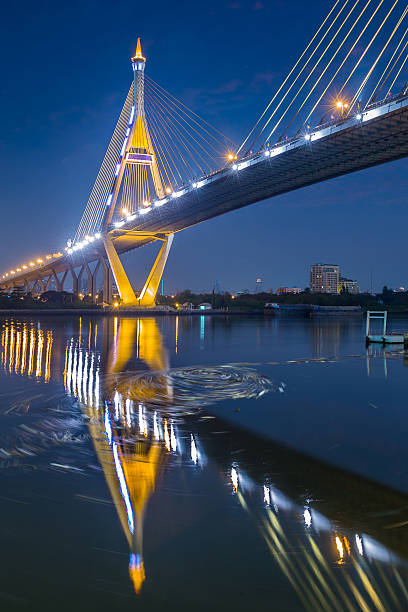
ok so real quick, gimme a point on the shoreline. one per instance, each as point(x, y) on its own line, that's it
point(160, 312)
point(125, 311)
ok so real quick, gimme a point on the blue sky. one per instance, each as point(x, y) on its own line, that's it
point(65, 72)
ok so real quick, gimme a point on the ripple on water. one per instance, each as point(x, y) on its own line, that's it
point(191, 388)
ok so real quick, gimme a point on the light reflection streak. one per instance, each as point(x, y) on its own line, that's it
point(166, 436)
point(155, 427)
point(142, 421)
point(127, 410)
point(91, 380)
point(18, 350)
point(11, 359)
point(173, 439)
point(40, 341)
point(123, 487)
point(359, 544)
point(202, 331)
point(194, 452)
point(340, 548)
point(117, 405)
point(24, 350)
point(31, 353)
point(79, 375)
point(234, 479)
point(267, 495)
point(307, 517)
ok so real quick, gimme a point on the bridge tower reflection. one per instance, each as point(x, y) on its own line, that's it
point(131, 449)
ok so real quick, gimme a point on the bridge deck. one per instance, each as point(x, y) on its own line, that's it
point(380, 135)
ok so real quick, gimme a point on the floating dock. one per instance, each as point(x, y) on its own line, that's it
point(383, 338)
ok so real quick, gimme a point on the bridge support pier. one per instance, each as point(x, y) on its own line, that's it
point(75, 282)
point(147, 296)
point(107, 281)
point(122, 282)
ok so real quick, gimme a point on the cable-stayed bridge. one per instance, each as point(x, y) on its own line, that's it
point(345, 102)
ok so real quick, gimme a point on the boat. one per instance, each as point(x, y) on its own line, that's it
point(300, 310)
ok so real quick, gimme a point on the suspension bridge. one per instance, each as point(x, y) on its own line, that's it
point(343, 107)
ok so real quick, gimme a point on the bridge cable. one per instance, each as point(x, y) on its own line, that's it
point(161, 103)
point(327, 66)
point(301, 71)
point(313, 69)
point(182, 106)
point(369, 73)
point(383, 79)
point(397, 75)
point(367, 48)
point(170, 113)
point(288, 77)
point(344, 61)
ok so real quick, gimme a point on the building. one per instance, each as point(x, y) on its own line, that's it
point(348, 285)
point(286, 290)
point(258, 285)
point(204, 306)
point(325, 278)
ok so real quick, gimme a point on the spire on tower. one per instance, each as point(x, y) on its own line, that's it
point(138, 55)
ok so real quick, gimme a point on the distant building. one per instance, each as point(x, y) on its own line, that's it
point(205, 306)
point(325, 278)
point(285, 290)
point(351, 286)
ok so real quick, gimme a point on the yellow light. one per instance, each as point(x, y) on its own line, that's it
point(232, 297)
point(177, 305)
point(125, 211)
point(168, 190)
point(39, 260)
point(32, 263)
point(12, 271)
point(146, 203)
point(6, 273)
point(48, 257)
point(340, 548)
point(24, 267)
point(115, 305)
point(339, 104)
point(231, 157)
point(18, 269)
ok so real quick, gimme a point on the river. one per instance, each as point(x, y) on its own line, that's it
point(201, 462)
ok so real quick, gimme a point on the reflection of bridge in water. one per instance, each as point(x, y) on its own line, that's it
point(340, 546)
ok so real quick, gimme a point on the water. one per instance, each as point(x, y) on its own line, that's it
point(201, 462)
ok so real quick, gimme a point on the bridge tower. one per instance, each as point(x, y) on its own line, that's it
point(139, 168)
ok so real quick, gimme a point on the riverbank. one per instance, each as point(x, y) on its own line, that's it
point(159, 312)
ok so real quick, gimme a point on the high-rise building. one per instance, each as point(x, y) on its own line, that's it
point(325, 278)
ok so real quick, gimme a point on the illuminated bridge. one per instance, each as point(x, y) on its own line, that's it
point(166, 169)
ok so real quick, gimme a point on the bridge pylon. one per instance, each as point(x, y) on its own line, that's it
point(132, 187)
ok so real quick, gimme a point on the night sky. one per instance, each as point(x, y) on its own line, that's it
point(65, 72)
